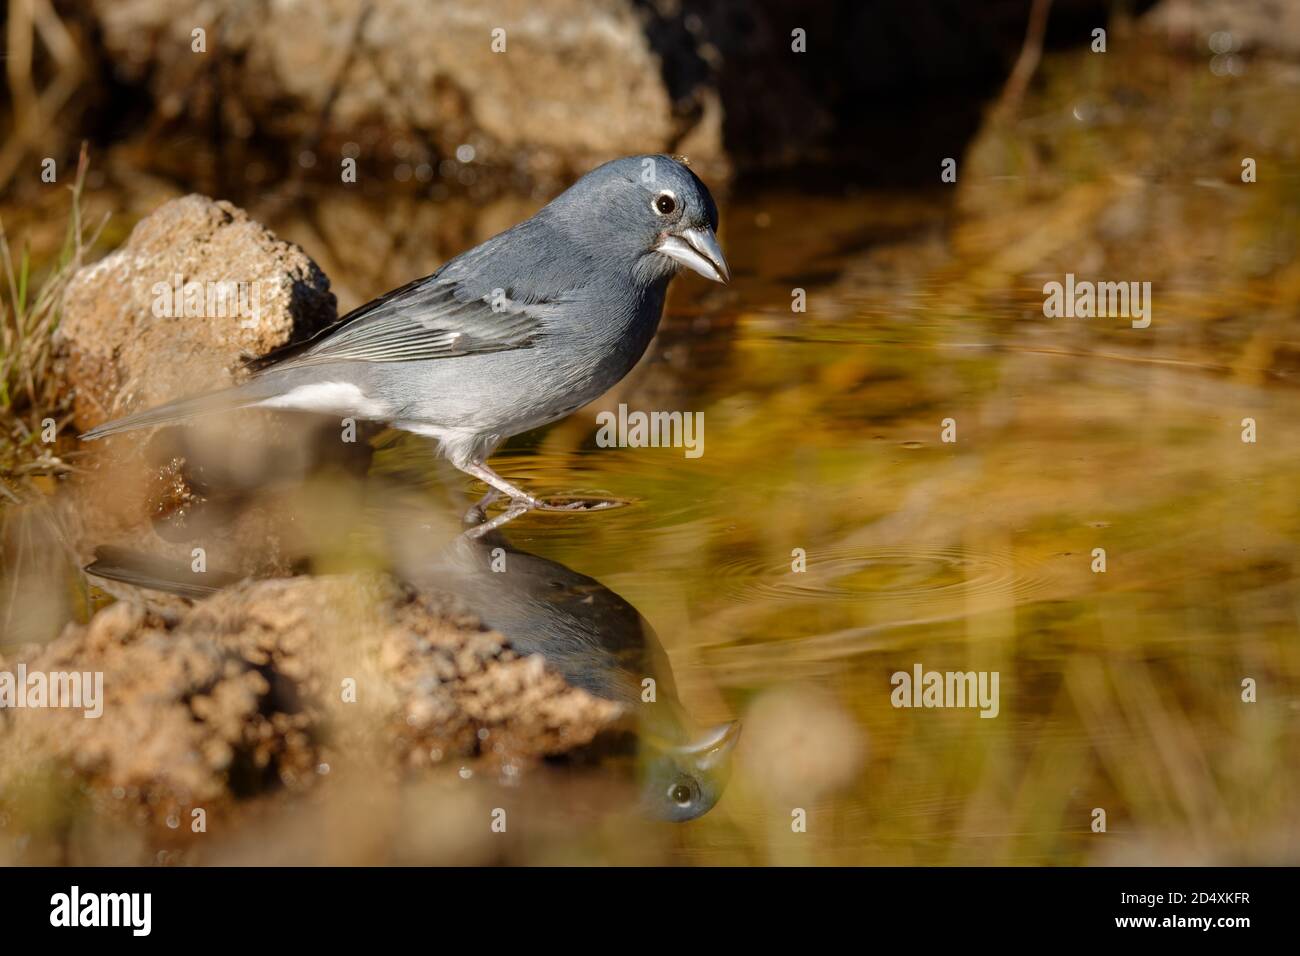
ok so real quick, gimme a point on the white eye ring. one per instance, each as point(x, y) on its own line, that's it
point(667, 196)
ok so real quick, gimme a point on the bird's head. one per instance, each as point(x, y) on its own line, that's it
point(682, 781)
point(649, 211)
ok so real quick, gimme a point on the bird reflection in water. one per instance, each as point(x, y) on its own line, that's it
point(600, 643)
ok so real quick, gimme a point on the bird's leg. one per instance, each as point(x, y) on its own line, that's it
point(483, 473)
point(478, 512)
point(510, 514)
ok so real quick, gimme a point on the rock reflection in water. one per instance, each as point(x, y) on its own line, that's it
point(591, 636)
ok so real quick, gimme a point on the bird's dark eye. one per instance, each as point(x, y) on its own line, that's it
point(664, 204)
point(680, 794)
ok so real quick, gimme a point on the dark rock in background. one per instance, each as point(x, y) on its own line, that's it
point(403, 86)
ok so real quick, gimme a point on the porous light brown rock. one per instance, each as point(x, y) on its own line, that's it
point(128, 343)
point(263, 688)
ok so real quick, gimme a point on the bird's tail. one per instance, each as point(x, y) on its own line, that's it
point(183, 409)
point(156, 573)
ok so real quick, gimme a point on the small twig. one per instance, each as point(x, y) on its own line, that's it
point(1027, 62)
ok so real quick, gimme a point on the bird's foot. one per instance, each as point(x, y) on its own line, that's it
point(477, 513)
point(513, 511)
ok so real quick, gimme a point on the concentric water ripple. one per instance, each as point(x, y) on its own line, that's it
point(912, 576)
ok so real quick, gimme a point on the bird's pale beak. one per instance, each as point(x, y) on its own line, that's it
point(697, 249)
point(712, 746)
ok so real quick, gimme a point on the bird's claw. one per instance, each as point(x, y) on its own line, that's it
point(513, 511)
point(476, 517)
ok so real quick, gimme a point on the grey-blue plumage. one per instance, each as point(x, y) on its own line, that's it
point(513, 334)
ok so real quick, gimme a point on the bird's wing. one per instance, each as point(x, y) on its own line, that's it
point(430, 318)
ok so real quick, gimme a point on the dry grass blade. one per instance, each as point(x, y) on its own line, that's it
point(29, 316)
